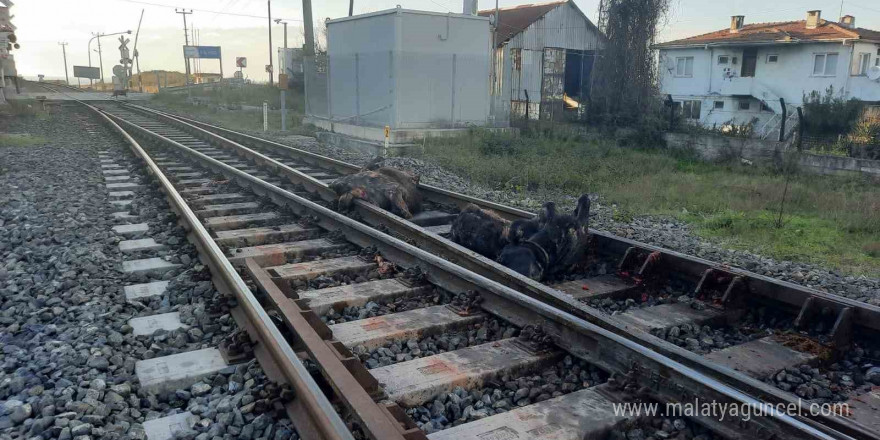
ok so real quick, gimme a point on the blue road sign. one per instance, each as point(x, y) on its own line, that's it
point(202, 52)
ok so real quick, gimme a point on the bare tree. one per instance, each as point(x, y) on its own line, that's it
point(625, 78)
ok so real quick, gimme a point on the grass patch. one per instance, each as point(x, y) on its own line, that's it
point(238, 108)
point(828, 219)
point(803, 238)
point(20, 140)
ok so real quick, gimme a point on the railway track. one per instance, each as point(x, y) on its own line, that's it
point(388, 303)
point(54, 88)
point(640, 287)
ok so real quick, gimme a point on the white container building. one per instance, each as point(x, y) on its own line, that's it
point(407, 70)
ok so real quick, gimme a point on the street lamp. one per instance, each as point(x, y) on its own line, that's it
point(280, 21)
point(98, 35)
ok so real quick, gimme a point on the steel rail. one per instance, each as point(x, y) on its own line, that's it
point(780, 291)
point(432, 193)
point(310, 407)
point(667, 379)
point(374, 418)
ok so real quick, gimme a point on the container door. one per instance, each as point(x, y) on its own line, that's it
point(552, 83)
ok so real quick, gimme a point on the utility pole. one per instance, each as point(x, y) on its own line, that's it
point(184, 12)
point(271, 70)
point(309, 58)
point(350, 8)
point(282, 63)
point(64, 52)
point(307, 27)
point(101, 59)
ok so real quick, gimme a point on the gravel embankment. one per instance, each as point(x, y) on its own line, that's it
point(67, 362)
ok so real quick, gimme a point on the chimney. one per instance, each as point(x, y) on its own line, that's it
point(848, 21)
point(736, 23)
point(469, 7)
point(813, 18)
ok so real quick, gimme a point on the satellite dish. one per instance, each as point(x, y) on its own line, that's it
point(874, 73)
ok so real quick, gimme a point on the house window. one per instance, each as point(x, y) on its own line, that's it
point(684, 67)
point(745, 104)
point(825, 64)
point(733, 61)
point(691, 109)
point(516, 58)
point(864, 63)
point(765, 108)
point(719, 105)
point(723, 59)
point(772, 58)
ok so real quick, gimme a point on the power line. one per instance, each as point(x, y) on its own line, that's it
point(207, 11)
point(862, 6)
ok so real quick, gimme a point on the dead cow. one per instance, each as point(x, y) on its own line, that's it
point(557, 246)
point(485, 232)
point(482, 231)
point(388, 188)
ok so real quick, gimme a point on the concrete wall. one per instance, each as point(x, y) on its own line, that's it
point(715, 147)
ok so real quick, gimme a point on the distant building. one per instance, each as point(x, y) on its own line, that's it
point(740, 73)
point(545, 54)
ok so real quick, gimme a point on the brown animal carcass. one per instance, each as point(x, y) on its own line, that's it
point(388, 188)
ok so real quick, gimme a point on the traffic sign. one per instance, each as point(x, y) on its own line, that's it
point(240, 61)
point(201, 52)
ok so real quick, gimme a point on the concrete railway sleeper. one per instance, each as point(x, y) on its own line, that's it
point(692, 310)
point(381, 287)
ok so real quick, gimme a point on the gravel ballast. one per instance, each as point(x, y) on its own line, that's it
point(67, 362)
point(659, 231)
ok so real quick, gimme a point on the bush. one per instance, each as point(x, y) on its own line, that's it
point(829, 113)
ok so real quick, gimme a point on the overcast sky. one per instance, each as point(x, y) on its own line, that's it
point(240, 26)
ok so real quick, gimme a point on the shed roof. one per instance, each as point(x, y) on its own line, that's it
point(781, 32)
point(515, 19)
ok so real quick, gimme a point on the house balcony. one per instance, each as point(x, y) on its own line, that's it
point(749, 86)
point(736, 86)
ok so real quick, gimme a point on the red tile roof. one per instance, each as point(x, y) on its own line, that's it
point(777, 32)
point(517, 18)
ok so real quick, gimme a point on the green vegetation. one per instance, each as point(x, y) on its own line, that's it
point(237, 108)
point(20, 140)
point(828, 220)
point(830, 112)
point(20, 107)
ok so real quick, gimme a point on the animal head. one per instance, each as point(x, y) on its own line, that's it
point(522, 259)
point(346, 199)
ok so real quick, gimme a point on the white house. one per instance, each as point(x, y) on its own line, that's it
point(544, 53)
point(740, 73)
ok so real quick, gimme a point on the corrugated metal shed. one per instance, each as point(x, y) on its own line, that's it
point(533, 34)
